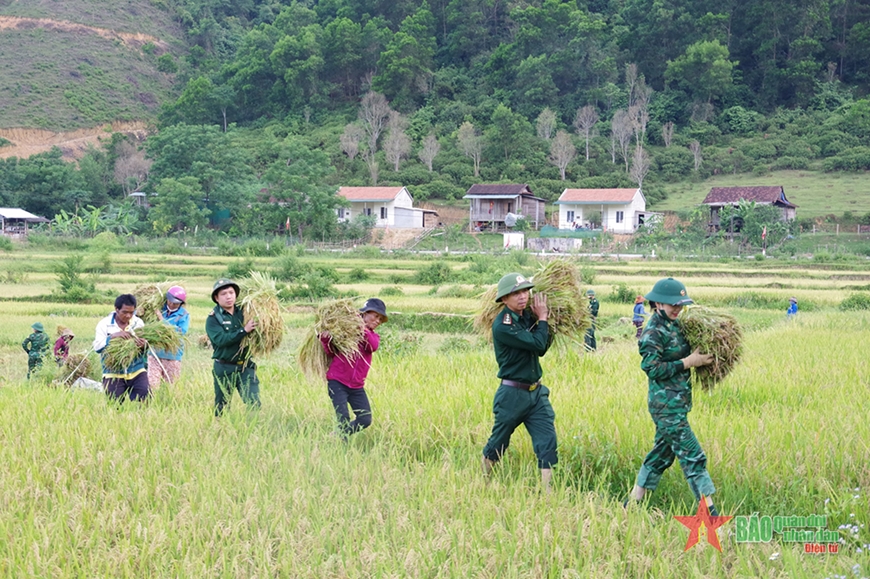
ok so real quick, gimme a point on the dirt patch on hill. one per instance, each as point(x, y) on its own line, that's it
point(133, 40)
point(27, 142)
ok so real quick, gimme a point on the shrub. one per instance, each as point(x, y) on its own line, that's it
point(791, 163)
point(455, 344)
point(587, 274)
point(288, 268)
point(70, 276)
point(240, 268)
point(854, 159)
point(856, 301)
point(105, 241)
point(434, 274)
point(5, 243)
point(358, 274)
point(391, 291)
point(622, 294)
point(313, 287)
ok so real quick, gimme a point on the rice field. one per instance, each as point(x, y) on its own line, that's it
point(88, 489)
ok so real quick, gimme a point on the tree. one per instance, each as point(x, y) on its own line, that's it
point(640, 164)
point(562, 152)
point(397, 145)
point(177, 206)
point(703, 71)
point(374, 113)
point(471, 143)
point(695, 147)
point(405, 65)
point(508, 130)
point(621, 131)
point(429, 150)
point(668, 133)
point(584, 122)
point(131, 167)
point(546, 124)
point(350, 139)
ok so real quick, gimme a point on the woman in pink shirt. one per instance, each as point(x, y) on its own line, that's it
point(346, 378)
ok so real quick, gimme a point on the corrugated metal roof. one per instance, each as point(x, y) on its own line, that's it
point(760, 194)
point(499, 189)
point(597, 195)
point(369, 193)
point(14, 213)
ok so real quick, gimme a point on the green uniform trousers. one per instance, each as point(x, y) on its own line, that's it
point(230, 377)
point(33, 362)
point(514, 406)
point(674, 438)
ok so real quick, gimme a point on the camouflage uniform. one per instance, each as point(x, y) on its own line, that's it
point(36, 346)
point(519, 341)
point(662, 346)
point(589, 339)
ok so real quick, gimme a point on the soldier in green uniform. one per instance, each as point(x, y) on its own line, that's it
point(519, 339)
point(36, 346)
point(591, 342)
point(233, 369)
point(667, 358)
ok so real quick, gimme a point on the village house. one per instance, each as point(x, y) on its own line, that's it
point(719, 197)
point(15, 222)
point(390, 206)
point(619, 210)
point(490, 205)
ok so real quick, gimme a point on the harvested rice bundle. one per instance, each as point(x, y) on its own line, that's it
point(76, 366)
point(559, 280)
point(713, 333)
point(121, 353)
point(341, 320)
point(64, 331)
point(569, 315)
point(203, 342)
point(150, 299)
point(260, 302)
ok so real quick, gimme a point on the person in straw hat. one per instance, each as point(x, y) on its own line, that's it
point(163, 365)
point(638, 315)
point(792, 310)
point(520, 339)
point(61, 345)
point(132, 381)
point(36, 346)
point(233, 368)
point(345, 378)
point(666, 359)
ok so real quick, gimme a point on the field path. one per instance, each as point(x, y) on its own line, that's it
point(26, 142)
point(133, 40)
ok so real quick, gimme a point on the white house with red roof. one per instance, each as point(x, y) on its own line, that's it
point(620, 210)
point(390, 206)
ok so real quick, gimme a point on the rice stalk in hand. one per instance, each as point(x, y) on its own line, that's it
point(260, 302)
point(120, 353)
point(489, 309)
point(150, 299)
point(341, 320)
point(712, 333)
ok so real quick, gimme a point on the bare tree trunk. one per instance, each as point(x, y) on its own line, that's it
point(562, 152)
point(695, 147)
point(584, 122)
point(668, 133)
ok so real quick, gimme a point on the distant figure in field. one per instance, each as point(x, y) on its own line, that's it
point(639, 315)
point(792, 310)
point(345, 378)
point(36, 346)
point(132, 381)
point(589, 339)
point(61, 345)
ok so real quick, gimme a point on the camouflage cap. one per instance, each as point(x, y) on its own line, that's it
point(511, 283)
point(669, 291)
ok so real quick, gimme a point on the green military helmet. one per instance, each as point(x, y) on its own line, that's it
point(669, 291)
point(38, 327)
point(511, 283)
point(221, 284)
point(590, 293)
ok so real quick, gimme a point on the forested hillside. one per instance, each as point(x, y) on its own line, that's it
point(439, 95)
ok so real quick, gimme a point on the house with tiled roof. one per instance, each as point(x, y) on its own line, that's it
point(720, 197)
point(616, 210)
point(491, 203)
point(390, 206)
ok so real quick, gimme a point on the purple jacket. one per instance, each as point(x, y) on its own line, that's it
point(351, 373)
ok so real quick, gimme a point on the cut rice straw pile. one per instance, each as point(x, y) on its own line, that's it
point(150, 299)
point(259, 301)
point(559, 280)
point(712, 333)
point(341, 320)
point(74, 367)
point(119, 354)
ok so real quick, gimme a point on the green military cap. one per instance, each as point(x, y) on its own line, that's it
point(590, 293)
point(38, 327)
point(669, 291)
point(511, 283)
point(221, 284)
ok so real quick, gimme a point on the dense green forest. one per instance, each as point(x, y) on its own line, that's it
point(284, 101)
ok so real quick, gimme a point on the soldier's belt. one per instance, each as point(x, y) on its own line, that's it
point(229, 362)
point(522, 385)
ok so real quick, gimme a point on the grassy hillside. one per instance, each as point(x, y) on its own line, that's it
point(80, 63)
point(814, 192)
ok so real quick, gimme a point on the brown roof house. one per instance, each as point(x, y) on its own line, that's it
point(719, 197)
point(622, 210)
point(390, 206)
point(491, 203)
